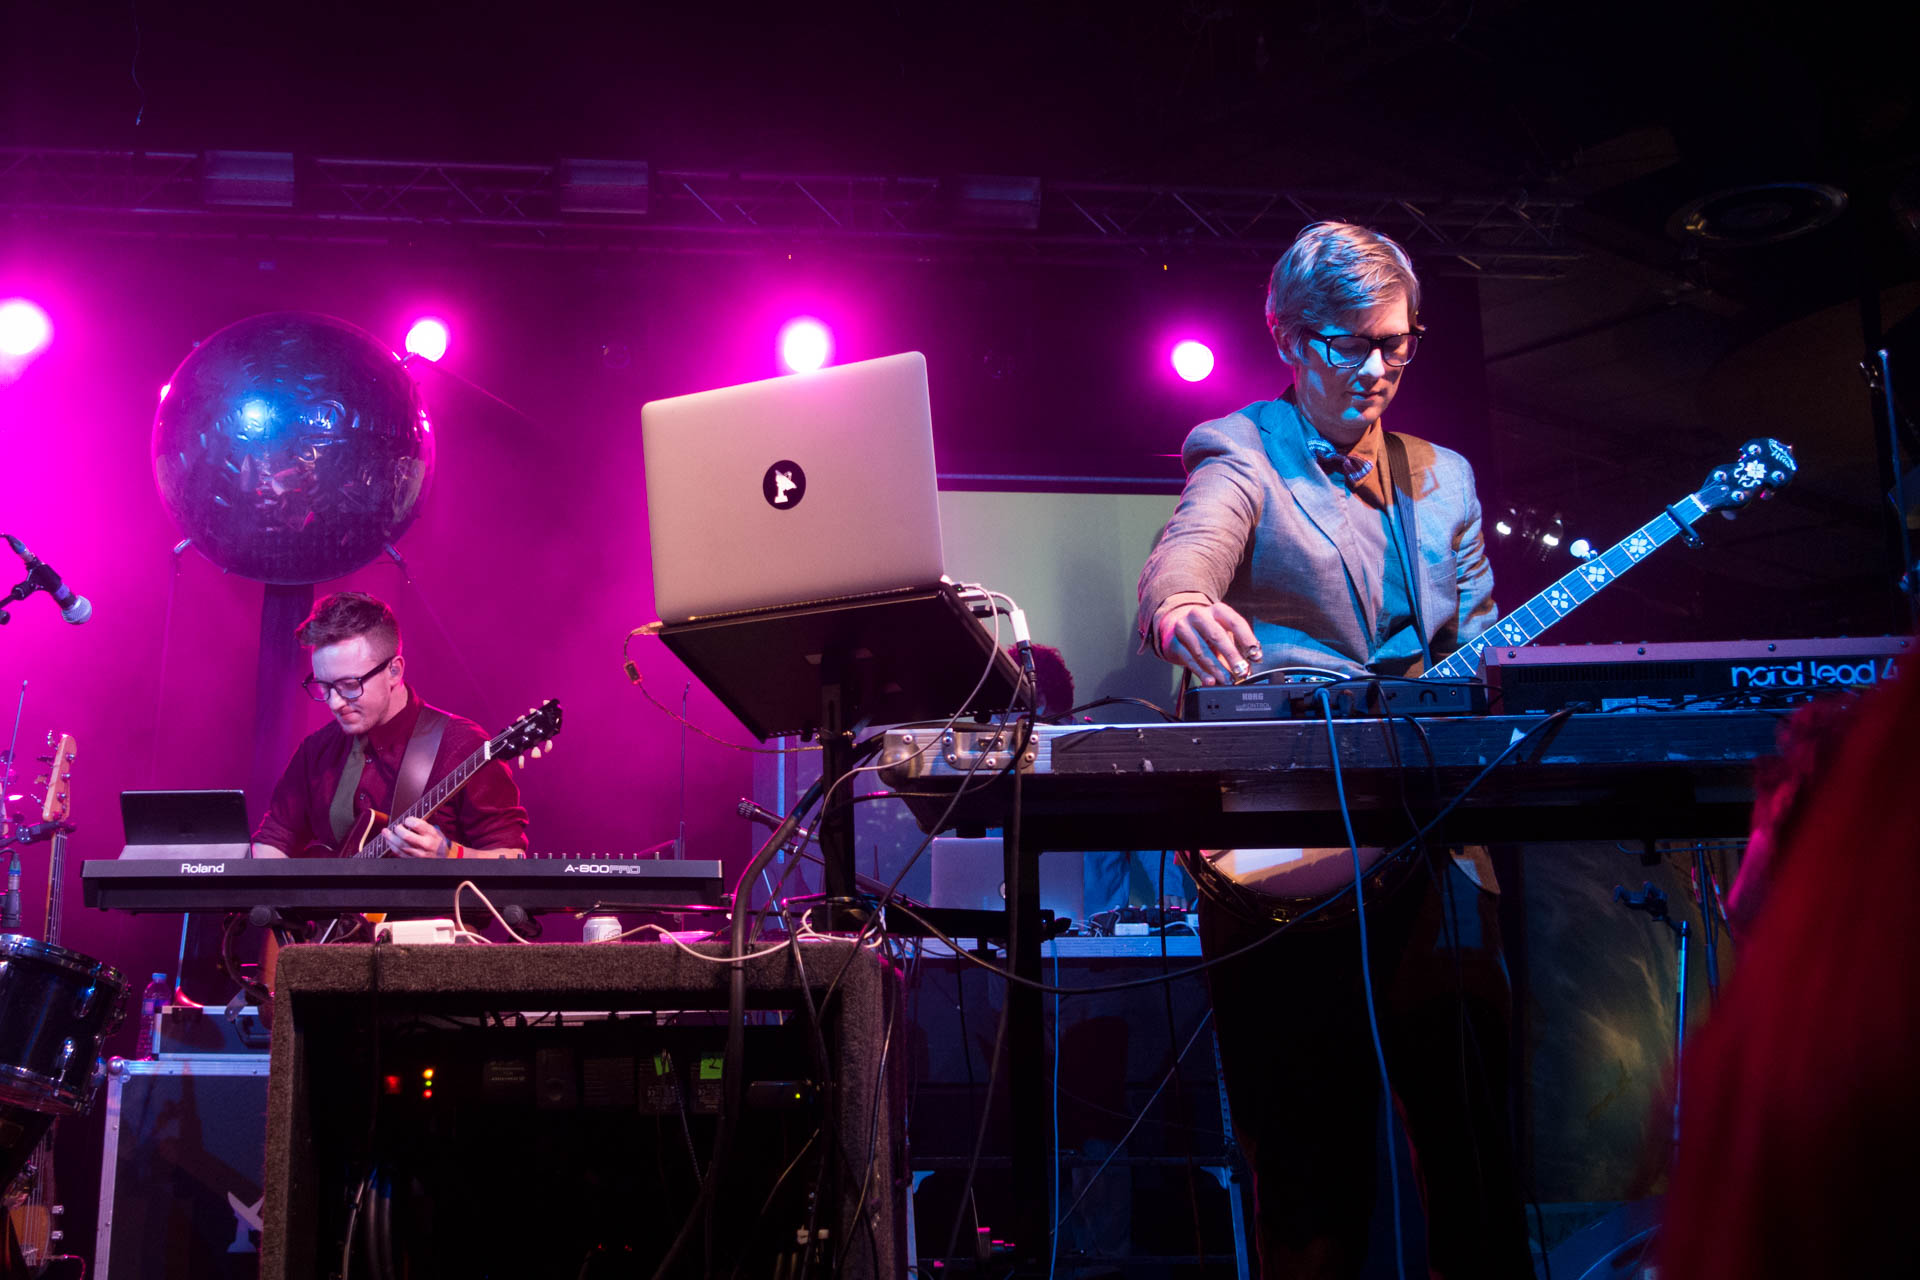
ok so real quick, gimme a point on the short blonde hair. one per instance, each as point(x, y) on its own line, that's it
point(1331, 270)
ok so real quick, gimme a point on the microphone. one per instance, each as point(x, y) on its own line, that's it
point(771, 820)
point(75, 608)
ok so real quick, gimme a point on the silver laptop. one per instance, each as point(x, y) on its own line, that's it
point(185, 824)
point(819, 486)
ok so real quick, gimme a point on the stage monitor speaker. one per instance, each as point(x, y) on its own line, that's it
point(550, 1111)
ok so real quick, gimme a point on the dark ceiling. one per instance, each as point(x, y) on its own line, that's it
point(1612, 384)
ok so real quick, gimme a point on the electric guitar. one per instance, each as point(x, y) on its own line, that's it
point(35, 1216)
point(1278, 883)
point(372, 834)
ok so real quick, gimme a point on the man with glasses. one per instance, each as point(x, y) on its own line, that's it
point(381, 733)
point(1286, 551)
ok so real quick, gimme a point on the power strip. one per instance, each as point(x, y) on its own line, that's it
point(414, 933)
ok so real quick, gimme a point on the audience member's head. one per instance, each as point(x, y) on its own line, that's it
point(1783, 784)
point(1053, 682)
point(1801, 1115)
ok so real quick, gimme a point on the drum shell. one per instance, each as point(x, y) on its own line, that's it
point(57, 1007)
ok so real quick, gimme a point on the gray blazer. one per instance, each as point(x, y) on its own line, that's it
point(1261, 526)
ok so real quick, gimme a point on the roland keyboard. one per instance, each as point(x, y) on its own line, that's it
point(333, 886)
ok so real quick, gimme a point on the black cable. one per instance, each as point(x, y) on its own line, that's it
point(939, 824)
point(1703, 899)
point(734, 1067)
point(966, 1060)
point(828, 1089)
point(1366, 984)
point(1016, 859)
point(873, 1141)
point(1179, 1094)
point(980, 1134)
point(1087, 1187)
point(1117, 700)
point(760, 1219)
point(736, 1020)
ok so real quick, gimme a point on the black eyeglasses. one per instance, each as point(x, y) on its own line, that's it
point(348, 687)
point(1351, 350)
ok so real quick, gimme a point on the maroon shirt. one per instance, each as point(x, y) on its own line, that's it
point(484, 814)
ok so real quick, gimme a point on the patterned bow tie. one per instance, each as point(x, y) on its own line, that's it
point(1332, 460)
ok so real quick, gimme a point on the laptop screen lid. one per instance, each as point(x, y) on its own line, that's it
point(814, 487)
point(185, 824)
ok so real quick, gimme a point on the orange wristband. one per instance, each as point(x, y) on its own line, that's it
point(458, 852)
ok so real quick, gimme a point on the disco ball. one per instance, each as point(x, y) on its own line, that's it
point(292, 448)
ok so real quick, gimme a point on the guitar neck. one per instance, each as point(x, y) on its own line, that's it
point(1574, 589)
point(56, 872)
point(436, 795)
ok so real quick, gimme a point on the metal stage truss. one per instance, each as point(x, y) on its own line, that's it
point(628, 206)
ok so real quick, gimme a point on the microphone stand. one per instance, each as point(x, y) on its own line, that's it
point(1881, 373)
point(1654, 903)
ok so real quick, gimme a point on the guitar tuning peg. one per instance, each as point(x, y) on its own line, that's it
point(535, 753)
point(520, 761)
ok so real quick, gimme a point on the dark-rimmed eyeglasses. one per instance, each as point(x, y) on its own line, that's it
point(1351, 350)
point(348, 687)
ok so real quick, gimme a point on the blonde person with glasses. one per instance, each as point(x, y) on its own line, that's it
point(1288, 550)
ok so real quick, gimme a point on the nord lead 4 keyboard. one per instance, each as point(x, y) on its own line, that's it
point(1626, 677)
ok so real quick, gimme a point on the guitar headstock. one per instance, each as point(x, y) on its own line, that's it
point(528, 734)
point(1765, 466)
point(59, 802)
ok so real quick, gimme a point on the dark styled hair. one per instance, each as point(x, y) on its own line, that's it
point(346, 614)
point(1053, 682)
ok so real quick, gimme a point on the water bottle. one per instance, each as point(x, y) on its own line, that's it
point(150, 1001)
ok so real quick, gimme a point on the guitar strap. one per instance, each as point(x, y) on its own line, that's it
point(415, 767)
point(1472, 859)
point(1400, 493)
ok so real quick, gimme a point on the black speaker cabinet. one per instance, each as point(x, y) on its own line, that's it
point(550, 1110)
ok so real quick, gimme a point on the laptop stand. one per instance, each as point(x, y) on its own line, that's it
point(833, 669)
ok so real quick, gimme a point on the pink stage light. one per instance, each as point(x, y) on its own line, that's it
point(1192, 360)
point(25, 330)
point(805, 345)
point(428, 338)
